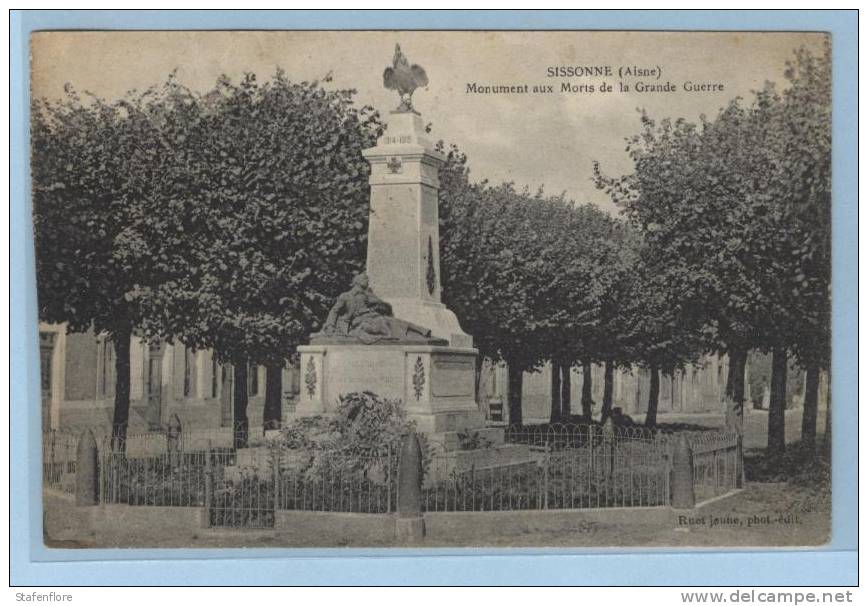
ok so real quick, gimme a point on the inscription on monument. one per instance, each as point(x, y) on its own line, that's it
point(399, 140)
point(452, 377)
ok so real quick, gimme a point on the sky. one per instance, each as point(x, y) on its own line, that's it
point(549, 140)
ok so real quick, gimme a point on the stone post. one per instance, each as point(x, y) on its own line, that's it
point(683, 496)
point(209, 487)
point(410, 525)
point(86, 470)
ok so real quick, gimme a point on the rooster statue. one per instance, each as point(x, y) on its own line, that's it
point(404, 78)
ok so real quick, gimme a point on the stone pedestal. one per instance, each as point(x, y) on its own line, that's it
point(434, 383)
point(403, 263)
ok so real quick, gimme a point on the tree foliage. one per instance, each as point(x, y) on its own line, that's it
point(734, 212)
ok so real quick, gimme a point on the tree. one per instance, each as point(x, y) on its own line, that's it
point(270, 201)
point(612, 339)
point(97, 166)
point(693, 197)
point(508, 267)
point(657, 334)
point(499, 308)
point(735, 211)
point(805, 179)
point(569, 300)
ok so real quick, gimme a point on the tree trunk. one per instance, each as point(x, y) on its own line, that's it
point(271, 413)
point(778, 402)
point(734, 393)
point(566, 390)
point(827, 434)
point(653, 397)
point(587, 403)
point(555, 391)
point(809, 413)
point(515, 378)
point(608, 390)
point(239, 420)
point(121, 417)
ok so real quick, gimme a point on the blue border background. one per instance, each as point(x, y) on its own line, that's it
point(32, 564)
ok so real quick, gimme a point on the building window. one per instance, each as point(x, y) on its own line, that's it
point(145, 368)
point(253, 380)
point(188, 372)
point(46, 349)
point(106, 364)
point(215, 376)
point(154, 372)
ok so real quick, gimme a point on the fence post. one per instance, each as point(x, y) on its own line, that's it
point(86, 470)
point(739, 461)
point(209, 487)
point(609, 457)
point(410, 525)
point(275, 471)
point(683, 496)
point(389, 478)
point(546, 460)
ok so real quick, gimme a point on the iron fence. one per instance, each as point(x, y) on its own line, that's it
point(59, 453)
point(173, 478)
point(715, 463)
point(566, 466)
point(275, 478)
point(339, 481)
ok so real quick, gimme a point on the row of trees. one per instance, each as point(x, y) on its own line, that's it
point(228, 220)
point(723, 246)
point(538, 278)
point(735, 216)
point(231, 220)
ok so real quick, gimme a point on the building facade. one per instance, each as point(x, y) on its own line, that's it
point(166, 380)
point(698, 389)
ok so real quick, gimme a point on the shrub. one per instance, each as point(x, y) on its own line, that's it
point(363, 424)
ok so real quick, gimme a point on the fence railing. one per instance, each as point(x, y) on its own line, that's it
point(170, 479)
point(716, 466)
point(59, 453)
point(279, 479)
point(340, 481)
point(566, 467)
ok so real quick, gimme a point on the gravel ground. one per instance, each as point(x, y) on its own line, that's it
point(761, 515)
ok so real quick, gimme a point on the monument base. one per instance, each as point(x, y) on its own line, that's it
point(436, 384)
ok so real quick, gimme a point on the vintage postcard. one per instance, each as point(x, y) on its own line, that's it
point(433, 288)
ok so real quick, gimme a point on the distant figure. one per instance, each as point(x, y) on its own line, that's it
point(404, 78)
point(620, 419)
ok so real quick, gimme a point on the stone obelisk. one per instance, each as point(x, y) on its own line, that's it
point(403, 262)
